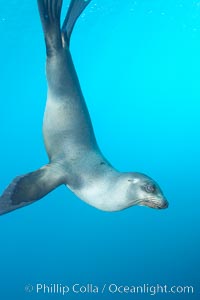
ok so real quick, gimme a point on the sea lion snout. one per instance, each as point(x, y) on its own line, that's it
point(165, 204)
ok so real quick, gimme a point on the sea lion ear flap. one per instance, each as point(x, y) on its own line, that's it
point(133, 180)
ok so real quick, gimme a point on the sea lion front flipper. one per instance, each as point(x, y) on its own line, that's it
point(26, 189)
point(75, 9)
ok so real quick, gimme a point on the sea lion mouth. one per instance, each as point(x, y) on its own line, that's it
point(154, 203)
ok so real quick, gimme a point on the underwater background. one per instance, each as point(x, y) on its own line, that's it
point(139, 67)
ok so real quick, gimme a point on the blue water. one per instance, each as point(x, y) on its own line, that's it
point(139, 68)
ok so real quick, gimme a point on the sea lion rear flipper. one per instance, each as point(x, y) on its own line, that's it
point(26, 189)
point(50, 11)
point(75, 9)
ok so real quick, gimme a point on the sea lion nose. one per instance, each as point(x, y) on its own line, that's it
point(165, 204)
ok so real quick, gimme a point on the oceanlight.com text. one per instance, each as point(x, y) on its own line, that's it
point(108, 288)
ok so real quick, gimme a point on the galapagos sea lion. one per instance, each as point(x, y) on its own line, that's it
point(75, 159)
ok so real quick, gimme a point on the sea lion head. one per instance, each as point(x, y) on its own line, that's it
point(144, 191)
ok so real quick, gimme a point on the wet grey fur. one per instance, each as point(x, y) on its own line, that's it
point(74, 156)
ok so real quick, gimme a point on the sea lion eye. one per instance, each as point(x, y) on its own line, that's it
point(150, 188)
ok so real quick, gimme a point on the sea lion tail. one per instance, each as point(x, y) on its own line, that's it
point(75, 10)
point(26, 189)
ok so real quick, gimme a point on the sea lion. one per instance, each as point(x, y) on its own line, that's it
point(74, 156)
